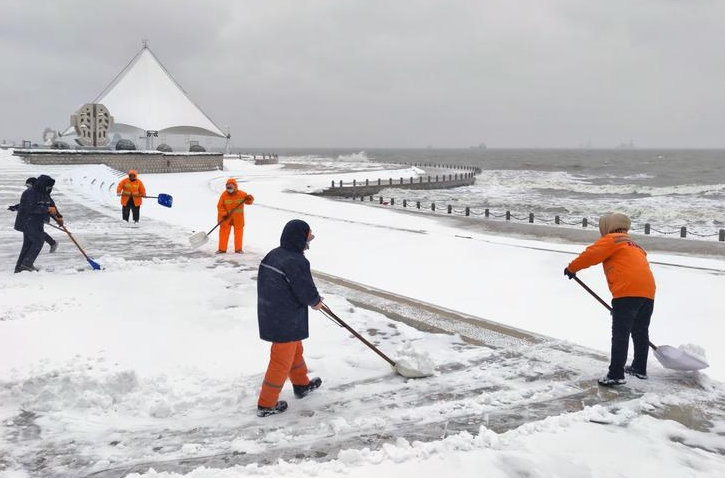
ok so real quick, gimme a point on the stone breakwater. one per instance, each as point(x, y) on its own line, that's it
point(440, 177)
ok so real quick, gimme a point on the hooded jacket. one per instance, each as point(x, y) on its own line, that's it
point(131, 189)
point(624, 261)
point(231, 206)
point(35, 206)
point(285, 288)
point(613, 222)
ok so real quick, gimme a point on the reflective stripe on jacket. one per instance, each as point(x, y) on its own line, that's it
point(285, 288)
point(127, 189)
point(232, 205)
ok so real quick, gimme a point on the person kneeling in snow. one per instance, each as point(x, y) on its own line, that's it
point(285, 289)
point(633, 292)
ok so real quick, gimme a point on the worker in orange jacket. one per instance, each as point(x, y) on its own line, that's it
point(131, 190)
point(230, 212)
point(632, 285)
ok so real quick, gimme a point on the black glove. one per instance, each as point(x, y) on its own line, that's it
point(12, 208)
point(569, 273)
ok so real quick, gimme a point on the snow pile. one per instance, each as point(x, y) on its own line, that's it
point(414, 363)
point(695, 350)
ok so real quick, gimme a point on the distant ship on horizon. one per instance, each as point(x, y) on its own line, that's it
point(627, 145)
point(480, 146)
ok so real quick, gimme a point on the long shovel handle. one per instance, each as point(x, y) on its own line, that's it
point(217, 225)
point(601, 301)
point(92, 263)
point(331, 315)
point(220, 222)
point(228, 215)
point(594, 294)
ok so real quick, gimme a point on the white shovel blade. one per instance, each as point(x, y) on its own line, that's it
point(414, 366)
point(198, 239)
point(410, 372)
point(678, 359)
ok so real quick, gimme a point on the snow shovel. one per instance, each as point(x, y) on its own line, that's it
point(200, 238)
point(93, 263)
point(165, 200)
point(670, 357)
point(401, 369)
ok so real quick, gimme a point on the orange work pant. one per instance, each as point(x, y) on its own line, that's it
point(285, 360)
point(224, 230)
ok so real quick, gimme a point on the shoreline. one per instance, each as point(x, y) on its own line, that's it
point(568, 235)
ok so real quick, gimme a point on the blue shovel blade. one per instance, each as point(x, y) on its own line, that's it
point(166, 200)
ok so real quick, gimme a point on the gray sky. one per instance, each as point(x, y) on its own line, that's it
point(387, 73)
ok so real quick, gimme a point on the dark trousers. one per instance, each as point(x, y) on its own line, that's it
point(33, 240)
point(130, 207)
point(630, 316)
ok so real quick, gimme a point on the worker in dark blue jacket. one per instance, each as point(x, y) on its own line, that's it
point(48, 238)
point(35, 209)
point(285, 290)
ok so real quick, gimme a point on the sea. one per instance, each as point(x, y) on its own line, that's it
point(667, 189)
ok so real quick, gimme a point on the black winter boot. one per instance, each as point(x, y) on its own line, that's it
point(280, 407)
point(608, 381)
point(630, 371)
point(301, 391)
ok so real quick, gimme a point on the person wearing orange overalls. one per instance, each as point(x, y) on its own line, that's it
point(230, 212)
point(132, 191)
point(285, 292)
point(632, 285)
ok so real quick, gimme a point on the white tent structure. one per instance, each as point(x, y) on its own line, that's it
point(144, 96)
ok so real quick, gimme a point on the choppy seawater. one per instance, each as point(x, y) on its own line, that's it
point(665, 188)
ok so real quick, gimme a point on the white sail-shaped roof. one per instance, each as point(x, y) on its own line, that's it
point(145, 96)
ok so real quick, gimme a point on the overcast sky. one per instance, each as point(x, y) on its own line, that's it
point(386, 73)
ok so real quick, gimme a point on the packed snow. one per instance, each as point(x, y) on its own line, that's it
point(152, 365)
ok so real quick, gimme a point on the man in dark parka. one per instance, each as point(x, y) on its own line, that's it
point(285, 290)
point(51, 242)
point(35, 209)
